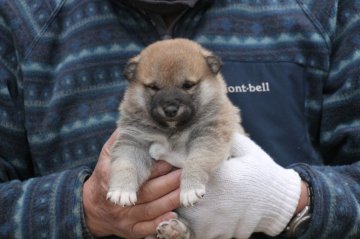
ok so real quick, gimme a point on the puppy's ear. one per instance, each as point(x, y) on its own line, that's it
point(213, 61)
point(130, 68)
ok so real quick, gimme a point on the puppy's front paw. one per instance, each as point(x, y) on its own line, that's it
point(123, 198)
point(191, 196)
point(173, 229)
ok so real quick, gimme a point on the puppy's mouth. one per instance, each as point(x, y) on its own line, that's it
point(172, 115)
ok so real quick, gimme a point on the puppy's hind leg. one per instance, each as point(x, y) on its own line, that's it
point(130, 167)
point(173, 229)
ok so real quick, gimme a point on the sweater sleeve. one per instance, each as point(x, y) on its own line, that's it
point(31, 206)
point(44, 207)
point(336, 187)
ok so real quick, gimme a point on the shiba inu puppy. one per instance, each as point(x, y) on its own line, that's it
point(175, 109)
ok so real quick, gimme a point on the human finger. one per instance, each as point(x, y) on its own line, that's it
point(160, 168)
point(106, 150)
point(154, 209)
point(158, 187)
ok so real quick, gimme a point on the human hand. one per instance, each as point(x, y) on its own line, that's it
point(247, 194)
point(156, 199)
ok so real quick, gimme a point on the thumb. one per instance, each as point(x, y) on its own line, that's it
point(101, 171)
point(107, 148)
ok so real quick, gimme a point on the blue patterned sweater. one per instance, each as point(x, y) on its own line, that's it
point(292, 66)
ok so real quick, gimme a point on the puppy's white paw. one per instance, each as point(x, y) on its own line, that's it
point(157, 151)
point(122, 198)
point(173, 229)
point(191, 196)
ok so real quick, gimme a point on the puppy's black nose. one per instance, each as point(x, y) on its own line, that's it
point(171, 110)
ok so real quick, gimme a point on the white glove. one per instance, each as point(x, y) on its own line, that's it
point(247, 194)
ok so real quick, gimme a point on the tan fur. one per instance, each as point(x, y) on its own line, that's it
point(162, 117)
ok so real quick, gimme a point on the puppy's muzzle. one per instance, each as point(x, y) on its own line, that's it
point(171, 108)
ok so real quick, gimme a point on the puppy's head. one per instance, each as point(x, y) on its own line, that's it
point(169, 79)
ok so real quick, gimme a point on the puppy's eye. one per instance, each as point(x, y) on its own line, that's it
point(188, 85)
point(153, 87)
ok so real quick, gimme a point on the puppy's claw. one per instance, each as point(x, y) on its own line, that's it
point(192, 196)
point(123, 198)
point(200, 195)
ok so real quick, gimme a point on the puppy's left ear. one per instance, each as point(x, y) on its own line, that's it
point(213, 61)
point(130, 68)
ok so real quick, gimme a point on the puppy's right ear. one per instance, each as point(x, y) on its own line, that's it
point(130, 68)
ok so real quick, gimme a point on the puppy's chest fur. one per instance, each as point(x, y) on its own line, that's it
point(173, 148)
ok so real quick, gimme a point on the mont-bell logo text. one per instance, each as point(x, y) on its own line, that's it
point(249, 88)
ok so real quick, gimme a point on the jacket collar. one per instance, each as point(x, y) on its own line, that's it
point(163, 6)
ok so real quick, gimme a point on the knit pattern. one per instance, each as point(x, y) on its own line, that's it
point(61, 82)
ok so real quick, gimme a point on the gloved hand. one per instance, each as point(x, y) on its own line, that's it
point(249, 193)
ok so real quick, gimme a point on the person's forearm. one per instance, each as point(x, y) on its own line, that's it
point(49, 205)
